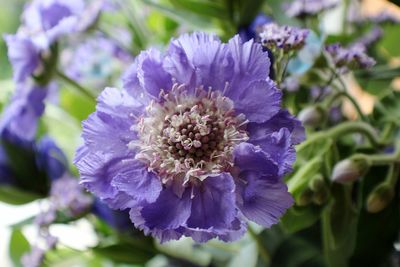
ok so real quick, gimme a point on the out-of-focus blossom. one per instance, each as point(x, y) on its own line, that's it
point(66, 194)
point(305, 8)
point(19, 119)
point(384, 17)
point(291, 83)
point(95, 62)
point(285, 37)
point(196, 142)
point(50, 158)
point(370, 38)
point(115, 218)
point(251, 31)
point(353, 57)
point(34, 258)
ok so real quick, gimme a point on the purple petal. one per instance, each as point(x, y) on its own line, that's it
point(168, 212)
point(97, 172)
point(23, 55)
point(109, 128)
point(251, 63)
point(151, 75)
point(136, 181)
point(199, 59)
point(260, 101)
point(283, 119)
point(250, 157)
point(262, 200)
point(213, 204)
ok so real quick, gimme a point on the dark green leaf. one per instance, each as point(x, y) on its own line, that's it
point(124, 253)
point(15, 196)
point(203, 8)
point(299, 218)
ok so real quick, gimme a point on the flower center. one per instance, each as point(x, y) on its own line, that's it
point(189, 136)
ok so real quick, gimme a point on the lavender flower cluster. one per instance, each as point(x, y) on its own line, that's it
point(284, 38)
point(305, 8)
point(350, 58)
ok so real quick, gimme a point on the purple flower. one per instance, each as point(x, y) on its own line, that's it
point(288, 38)
point(252, 30)
point(304, 8)
point(195, 143)
point(385, 17)
point(47, 20)
point(23, 55)
point(115, 218)
point(95, 62)
point(66, 194)
point(33, 258)
point(50, 158)
point(19, 119)
point(353, 57)
point(370, 38)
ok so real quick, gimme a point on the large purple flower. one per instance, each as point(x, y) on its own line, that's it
point(195, 143)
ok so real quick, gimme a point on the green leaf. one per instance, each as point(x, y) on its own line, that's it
point(390, 42)
point(15, 196)
point(203, 8)
point(18, 247)
point(181, 16)
point(124, 253)
point(339, 223)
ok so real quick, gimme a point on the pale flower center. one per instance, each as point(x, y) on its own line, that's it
point(189, 136)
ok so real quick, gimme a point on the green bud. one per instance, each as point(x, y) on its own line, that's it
point(380, 197)
point(317, 183)
point(350, 170)
point(312, 116)
point(321, 196)
point(305, 198)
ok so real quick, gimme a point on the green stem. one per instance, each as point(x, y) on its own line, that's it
point(344, 129)
point(261, 248)
point(73, 83)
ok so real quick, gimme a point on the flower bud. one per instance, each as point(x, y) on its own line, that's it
point(321, 196)
point(317, 183)
point(349, 170)
point(305, 198)
point(312, 116)
point(380, 197)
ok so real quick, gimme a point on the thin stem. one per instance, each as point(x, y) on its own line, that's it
point(73, 83)
point(261, 248)
point(344, 129)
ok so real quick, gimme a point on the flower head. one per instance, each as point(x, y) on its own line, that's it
point(304, 8)
point(353, 57)
point(195, 142)
point(288, 38)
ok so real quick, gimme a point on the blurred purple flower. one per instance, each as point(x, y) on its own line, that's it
point(34, 258)
point(95, 62)
point(196, 142)
point(385, 17)
point(353, 57)
point(19, 118)
point(304, 8)
point(370, 38)
point(251, 31)
point(50, 158)
point(115, 218)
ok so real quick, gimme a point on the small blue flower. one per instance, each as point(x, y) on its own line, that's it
point(195, 144)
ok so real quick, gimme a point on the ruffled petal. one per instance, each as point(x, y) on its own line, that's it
point(251, 64)
point(199, 59)
point(261, 199)
point(260, 101)
point(151, 74)
point(97, 172)
point(23, 55)
point(168, 212)
point(109, 128)
point(136, 181)
point(283, 119)
point(250, 157)
point(213, 203)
